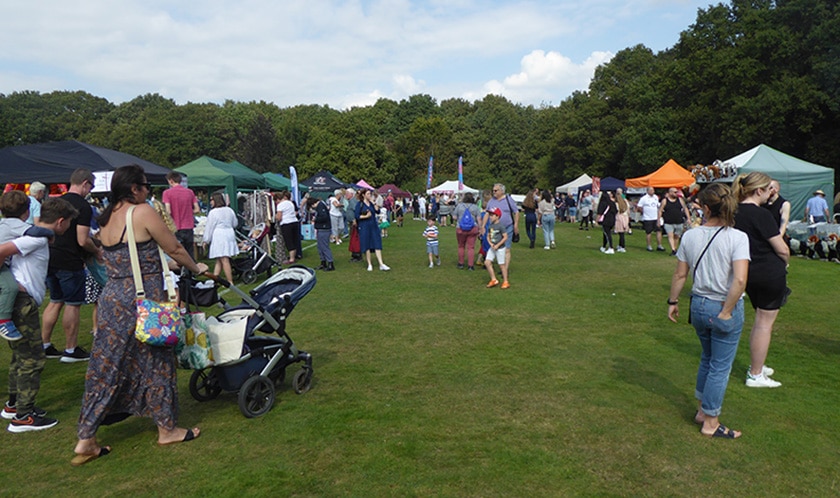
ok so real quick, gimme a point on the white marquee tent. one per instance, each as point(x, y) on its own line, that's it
point(450, 187)
point(573, 185)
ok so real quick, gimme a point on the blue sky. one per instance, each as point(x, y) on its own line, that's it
point(339, 53)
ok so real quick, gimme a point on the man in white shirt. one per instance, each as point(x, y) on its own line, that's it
point(29, 262)
point(648, 205)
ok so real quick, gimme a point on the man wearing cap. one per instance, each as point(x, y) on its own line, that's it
point(37, 192)
point(817, 208)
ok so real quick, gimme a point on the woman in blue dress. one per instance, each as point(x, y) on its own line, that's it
point(369, 237)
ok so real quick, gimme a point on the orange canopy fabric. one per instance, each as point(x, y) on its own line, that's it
point(669, 175)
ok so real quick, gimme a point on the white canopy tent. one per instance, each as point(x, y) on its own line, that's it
point(573, 185)
point(450, 187)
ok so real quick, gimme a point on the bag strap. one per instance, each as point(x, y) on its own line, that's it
point(694, 273)
point(135, 262)
point(507, 198)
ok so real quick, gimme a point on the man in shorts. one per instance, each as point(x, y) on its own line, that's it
point(66, 273)
point(648, 205)
point(674, 214)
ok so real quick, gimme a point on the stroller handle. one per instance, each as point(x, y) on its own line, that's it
point(216, 278)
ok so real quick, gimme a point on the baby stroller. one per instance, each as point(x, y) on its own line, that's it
point(256, 260)
point(261, 368)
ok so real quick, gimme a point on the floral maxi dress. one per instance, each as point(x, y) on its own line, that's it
point(125, 375)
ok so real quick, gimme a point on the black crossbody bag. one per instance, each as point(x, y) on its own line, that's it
point(515, 235)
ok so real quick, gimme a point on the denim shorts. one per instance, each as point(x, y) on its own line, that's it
point(67, 287)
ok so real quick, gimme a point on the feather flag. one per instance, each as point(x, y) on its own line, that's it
point(460, 173)
point(295, 188)
point(429, 177)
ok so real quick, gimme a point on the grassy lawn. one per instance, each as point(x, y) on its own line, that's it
point(572, 382)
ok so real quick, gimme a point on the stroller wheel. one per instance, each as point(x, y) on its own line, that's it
point(249, 276)
point(256, 396)
point(204, 385)
point(302, 380)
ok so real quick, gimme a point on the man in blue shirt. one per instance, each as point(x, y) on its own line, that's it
point(817, 208)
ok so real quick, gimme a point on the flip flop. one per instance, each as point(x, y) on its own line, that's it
point(189, 436)
point(722, 431)
point(89, 457)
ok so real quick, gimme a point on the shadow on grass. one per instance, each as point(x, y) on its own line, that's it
point(821, 344)
point(648, 378)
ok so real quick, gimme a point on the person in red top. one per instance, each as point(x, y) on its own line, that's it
point(182, 204)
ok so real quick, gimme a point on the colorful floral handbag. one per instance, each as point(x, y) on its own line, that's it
point(158, 323)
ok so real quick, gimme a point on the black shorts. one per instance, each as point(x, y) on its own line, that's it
point(768, 294)
point(650, 226)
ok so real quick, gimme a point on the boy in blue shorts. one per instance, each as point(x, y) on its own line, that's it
point(431, 235)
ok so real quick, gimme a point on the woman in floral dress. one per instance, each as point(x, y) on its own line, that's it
point(127, 377)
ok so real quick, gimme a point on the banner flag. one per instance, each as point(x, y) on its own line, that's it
point(460, 173)
point(295, 188)
point(429, 177)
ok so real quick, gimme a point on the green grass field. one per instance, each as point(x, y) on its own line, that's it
point(571, 383)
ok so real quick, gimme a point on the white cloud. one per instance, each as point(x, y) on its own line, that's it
point(545, 77)
point(338, 52)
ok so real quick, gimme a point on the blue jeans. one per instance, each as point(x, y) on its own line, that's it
point(548, 229)
point(531, 225)
point(719, 342)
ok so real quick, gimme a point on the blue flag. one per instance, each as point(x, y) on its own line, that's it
point(429, 177)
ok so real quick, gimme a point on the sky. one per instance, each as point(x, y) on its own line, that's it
point(326, 52)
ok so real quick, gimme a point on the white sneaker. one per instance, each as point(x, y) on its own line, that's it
point(767, 371)
point(621, 249)
point(547, 248)
point(609, 251)
point(431, 265)
point(761, 381)
point(370, 268)
point(603, 249)
point(384, 267)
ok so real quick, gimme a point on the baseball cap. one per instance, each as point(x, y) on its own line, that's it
point(496, 211)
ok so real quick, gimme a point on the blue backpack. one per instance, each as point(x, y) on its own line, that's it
point(467, 222)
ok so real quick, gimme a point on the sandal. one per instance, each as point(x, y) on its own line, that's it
point(89, 457)
point(189, 436)
point(722, 431)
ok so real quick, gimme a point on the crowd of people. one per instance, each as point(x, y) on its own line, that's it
point(739, 238)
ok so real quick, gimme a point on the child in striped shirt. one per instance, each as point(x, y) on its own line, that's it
point(431, 235)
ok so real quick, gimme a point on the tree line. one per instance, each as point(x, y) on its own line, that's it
point(744, 73)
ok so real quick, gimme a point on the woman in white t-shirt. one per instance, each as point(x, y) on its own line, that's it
point(289, 225)
point(718, 256)
point(336, 216)
point(219, 233)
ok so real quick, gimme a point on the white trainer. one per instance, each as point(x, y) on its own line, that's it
point(370, 268)
point(609, 251)
point(761, 381)
point(767, 371)
point(384, 267)
point(621, 249)
point(603, 249)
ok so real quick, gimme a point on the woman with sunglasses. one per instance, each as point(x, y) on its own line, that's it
point(125, 376)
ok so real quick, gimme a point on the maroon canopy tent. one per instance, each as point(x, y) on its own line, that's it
point(396, 191)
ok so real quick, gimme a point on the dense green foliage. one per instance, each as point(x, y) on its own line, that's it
point(750, 72)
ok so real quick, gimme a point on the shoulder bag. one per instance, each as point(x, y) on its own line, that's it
point(158, 323)
point(512, 211)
